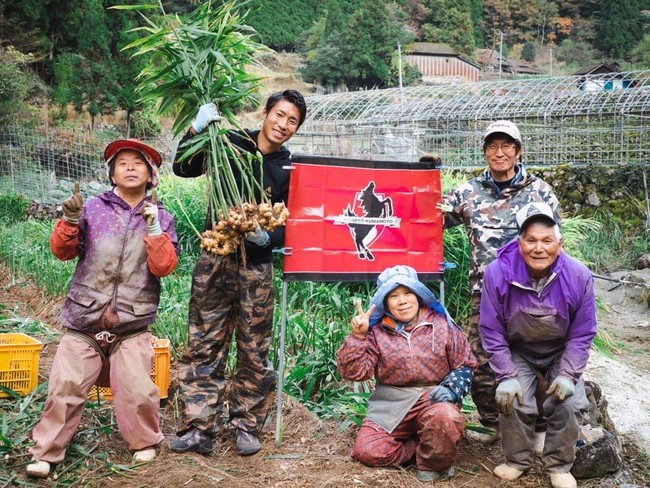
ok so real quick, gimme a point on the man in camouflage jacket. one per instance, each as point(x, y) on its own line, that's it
point(487, 206)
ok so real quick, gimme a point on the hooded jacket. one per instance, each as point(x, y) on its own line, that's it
point(113, 260)
point(556, 323)
point(276, 184)
point(488, 214)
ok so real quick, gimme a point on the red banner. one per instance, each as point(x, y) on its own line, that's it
point(351, 219)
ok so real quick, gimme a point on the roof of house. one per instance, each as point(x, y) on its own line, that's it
point(525, 68)
point(490, 57)
point(597, 69)
point(437, 49)
point(432, 48)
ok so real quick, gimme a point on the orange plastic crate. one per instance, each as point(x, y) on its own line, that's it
point(19, 354)
point(159, 372)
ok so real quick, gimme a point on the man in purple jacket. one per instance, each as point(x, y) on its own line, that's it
point(537, 322)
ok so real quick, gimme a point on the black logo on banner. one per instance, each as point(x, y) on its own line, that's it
point(366, 218)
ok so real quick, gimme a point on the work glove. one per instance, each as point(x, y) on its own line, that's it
point(561, 388)
point(506, 393)
point(207, 114)
point(442, 394)
point(444, 207)
point(149, 213)
point(258, 236)
point(72, 206)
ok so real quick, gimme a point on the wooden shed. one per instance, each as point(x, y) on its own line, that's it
point(439, 63)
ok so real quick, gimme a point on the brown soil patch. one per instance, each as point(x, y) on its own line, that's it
point(313, 452)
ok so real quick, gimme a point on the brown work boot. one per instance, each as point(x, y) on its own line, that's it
point(246, 443)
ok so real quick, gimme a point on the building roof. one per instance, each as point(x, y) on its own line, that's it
point(524, 68)
point(597, 69)
point(432, 48)
point(437, 49)
point(490, 57)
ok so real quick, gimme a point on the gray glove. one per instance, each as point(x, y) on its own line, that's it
point(506, 393)
point(442, 394)
point(561, 388)
point(149, 213)
point(259, 236)
point(207, 114)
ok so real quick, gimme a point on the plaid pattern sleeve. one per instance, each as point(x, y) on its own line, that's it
point(357, 358)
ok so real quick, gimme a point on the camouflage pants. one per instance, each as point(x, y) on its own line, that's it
point(228, 297)
point(484, 385)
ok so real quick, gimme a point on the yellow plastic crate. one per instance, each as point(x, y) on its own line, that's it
point(19, 354)
point(159, 372)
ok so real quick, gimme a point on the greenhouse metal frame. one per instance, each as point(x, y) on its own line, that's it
point(589, 119)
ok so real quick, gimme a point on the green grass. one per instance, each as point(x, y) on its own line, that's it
point(94, 450)
point(13, 208)
point(318, 314)
point(611, 249)
point(26, 250)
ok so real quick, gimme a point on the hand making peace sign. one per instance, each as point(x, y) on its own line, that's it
point(361, 321)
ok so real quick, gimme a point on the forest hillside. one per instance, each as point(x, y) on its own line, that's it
point(70, 54)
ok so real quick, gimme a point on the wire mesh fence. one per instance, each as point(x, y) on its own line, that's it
point(43, 165)
point(599, 119)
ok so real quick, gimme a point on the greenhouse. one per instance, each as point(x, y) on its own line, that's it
point(596, 119)
point(593, 119)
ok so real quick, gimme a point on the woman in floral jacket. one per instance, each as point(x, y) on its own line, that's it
point(423, 366)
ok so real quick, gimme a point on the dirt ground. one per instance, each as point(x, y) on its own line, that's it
point(314, 453)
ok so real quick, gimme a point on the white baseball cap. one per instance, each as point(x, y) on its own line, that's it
point(532, 210)
point(505, 127)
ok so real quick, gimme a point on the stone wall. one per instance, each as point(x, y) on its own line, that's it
point(614, 193)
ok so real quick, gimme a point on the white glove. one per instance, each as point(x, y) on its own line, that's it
point(149, 213)
point(561, 388)
point(207, 114)
point(259, 236)
point(506, 393)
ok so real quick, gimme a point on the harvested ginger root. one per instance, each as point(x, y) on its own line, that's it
point(227, 234)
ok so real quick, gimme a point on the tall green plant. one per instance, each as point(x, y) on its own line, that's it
point(13, 208)
point(199, 59)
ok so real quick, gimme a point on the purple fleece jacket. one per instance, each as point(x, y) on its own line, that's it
point(113, 260)
point(559, 321)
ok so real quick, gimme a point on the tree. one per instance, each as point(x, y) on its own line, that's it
point(497, 18)
point(321, 49)
point(356, 51)
point(529, 51)
point(450, 22)
point(15, 86)
point(477, 22)
point(368, 44)
point(544, 21)
point(619, 27)
point(325, 67)
point(280, 24)
point(577, 53)
point(641, 53)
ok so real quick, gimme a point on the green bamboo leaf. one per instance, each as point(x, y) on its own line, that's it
point(134, 7)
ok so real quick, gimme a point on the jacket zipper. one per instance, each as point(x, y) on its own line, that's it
point(120, 263)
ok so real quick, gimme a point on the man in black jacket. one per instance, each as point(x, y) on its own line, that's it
point(231, 294)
